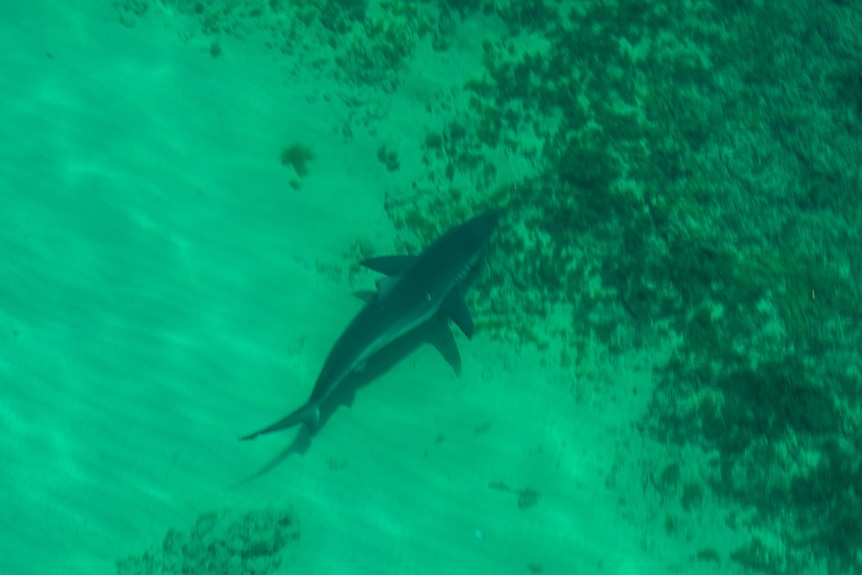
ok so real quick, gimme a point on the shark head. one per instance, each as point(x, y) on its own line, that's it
point(446, 263)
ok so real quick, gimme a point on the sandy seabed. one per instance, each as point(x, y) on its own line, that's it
point(166, 290)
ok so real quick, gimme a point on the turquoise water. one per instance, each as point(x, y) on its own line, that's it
point(665, 373)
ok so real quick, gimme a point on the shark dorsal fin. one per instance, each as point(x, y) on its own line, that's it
point(389, 265)
point(456, 308)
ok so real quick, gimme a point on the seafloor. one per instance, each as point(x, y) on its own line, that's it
point(665, 376)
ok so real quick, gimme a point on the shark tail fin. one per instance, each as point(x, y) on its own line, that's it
point(309, 414)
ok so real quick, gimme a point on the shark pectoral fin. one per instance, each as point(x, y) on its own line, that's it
point(443, 341)
point(456, 308)
point(366, 296)
point(389, 265)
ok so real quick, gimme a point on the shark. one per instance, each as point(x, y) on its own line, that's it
point(414, 290)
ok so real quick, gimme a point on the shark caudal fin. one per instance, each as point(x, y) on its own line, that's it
point(309, 414)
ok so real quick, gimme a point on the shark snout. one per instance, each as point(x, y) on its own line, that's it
point(480, 228)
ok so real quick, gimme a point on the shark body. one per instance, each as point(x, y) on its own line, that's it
point(416, 289)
